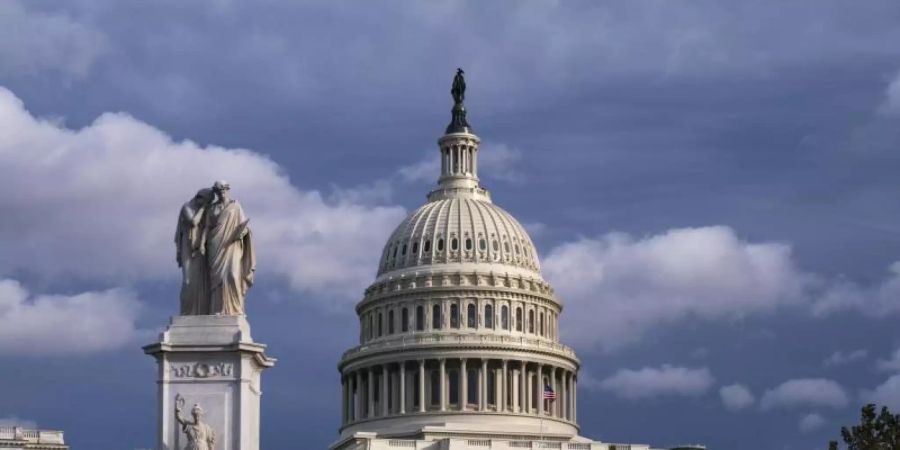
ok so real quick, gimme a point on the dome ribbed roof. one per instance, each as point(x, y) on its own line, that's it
point(459, 230)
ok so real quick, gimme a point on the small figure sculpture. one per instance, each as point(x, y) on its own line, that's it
point(458, 91)
point(191, 254)
point(199, 435)
point(215, 253)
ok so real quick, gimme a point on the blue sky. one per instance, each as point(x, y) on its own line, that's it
point(712, 187)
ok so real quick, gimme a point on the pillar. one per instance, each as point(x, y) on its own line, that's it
point(403, 387)
point(442, 384)
point(503, 387)
point(483, 388)
point(554, 405)
point(540, 389)
point(564, 404)
point(464, 385)
point(523, 401)
point(514, 389)
point(370, 394)
point(574, 398)
point(384, 390)
point(357, 400)
point(421, 385)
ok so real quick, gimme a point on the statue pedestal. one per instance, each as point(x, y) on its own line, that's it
point(213, 362)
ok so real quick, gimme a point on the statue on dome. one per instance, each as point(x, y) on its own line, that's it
point(458, 91)
point(215, 253)
point(200, 435)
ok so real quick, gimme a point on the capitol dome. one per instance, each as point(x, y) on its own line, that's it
point(458, 333)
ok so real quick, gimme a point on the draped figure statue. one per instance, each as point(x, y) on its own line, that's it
point(191, 254)
point(215, 253)
point(229, 253)
point(200, 436)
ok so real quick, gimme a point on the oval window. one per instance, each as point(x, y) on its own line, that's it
point(403, 252)
point(506, 246)
point(517, 250)
point(440, 246)
point(468, 244)
point(395, 252)
point(427, 247)
point(454, 244)
point(415, 248)
point(482, 244)
point(496, 247)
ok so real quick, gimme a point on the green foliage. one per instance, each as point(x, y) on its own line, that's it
point(875, 431)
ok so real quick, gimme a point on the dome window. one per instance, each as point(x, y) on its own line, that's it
point(403, 252)
point(390, 322)
point(505, 247)
point(471, 316)
point(496, 246)
point(395, 252)
point(454, 244)
point(404, 320)
point(482, 245)
point(440, 245)
point(504, 317)
point(427, 247)
point(415, 248)
point(468, 244)
point(488, 316)
point(517, 249)
point(420, 318)
point(531, 321)
point(454, 316)
point(436, 317)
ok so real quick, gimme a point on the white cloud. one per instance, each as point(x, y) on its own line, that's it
point(12, 421)
point(31, 42)
point(736, 397)
point(891, 105)
point(616, 287)
point(840, 358)
point(651, 382)
point(65, 324)
point(878, 300)
point(100, 203)
point(805, 392)
point(885, 394)
point(811, 422)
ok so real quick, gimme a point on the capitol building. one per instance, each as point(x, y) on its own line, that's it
point(459, 333)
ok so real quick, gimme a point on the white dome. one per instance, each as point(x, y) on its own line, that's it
point(454, 230)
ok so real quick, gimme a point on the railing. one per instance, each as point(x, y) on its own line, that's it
point(459, 339)
point(34, 436)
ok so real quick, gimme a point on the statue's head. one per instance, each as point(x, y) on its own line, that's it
point(221, 188)
point(197, 411)
point(459, 71)
point(204, 195)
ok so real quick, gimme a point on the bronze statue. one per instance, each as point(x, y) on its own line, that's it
point(458, 122)
point(458, 91)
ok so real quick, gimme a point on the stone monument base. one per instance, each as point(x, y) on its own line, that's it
point(212, 362)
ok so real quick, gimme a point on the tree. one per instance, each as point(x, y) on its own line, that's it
point(874, 432)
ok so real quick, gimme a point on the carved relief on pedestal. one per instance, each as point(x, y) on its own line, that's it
point(202, 370)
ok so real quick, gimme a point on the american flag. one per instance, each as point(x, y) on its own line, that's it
point(548, 393)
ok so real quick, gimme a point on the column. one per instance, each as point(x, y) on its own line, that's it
point(403, 387)
point(357, 399)
point(464, 385)
point(345, 407)
point(523, 386)
point(554, 405)
point(564, 405)
point(442, 384)
point(514, 390)
point(574, 398)
point(503, 386)
point(370, 397)
point(421, 385)
point(384, 390)
point(483, 389)
point(540, 388)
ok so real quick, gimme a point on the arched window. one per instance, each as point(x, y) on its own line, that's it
point(380, 324)
point(504, 317)
point(427, 247)
point(531, 321)
point(391, 322)
point(453, 380)
point(420, 318)
point(482, 244)
point(436, 317)
point(468, 244)
point(435, 388)
point(454, 244)
point(440, 246)
point(416, 248)
point(395, 252)
point(519, 318)
point(454, 315)
point(473, 386)
point(541, 322)
point(495, 245)
point(488, 316)
point(471, 316)
point(404, 320)
point(403, 252)
point(371, 328)
point(517, 249)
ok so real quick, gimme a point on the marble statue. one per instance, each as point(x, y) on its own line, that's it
point(191, 254)
point(229, 253)
point(200, 436)
point(215, 253)
point(458, 90)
